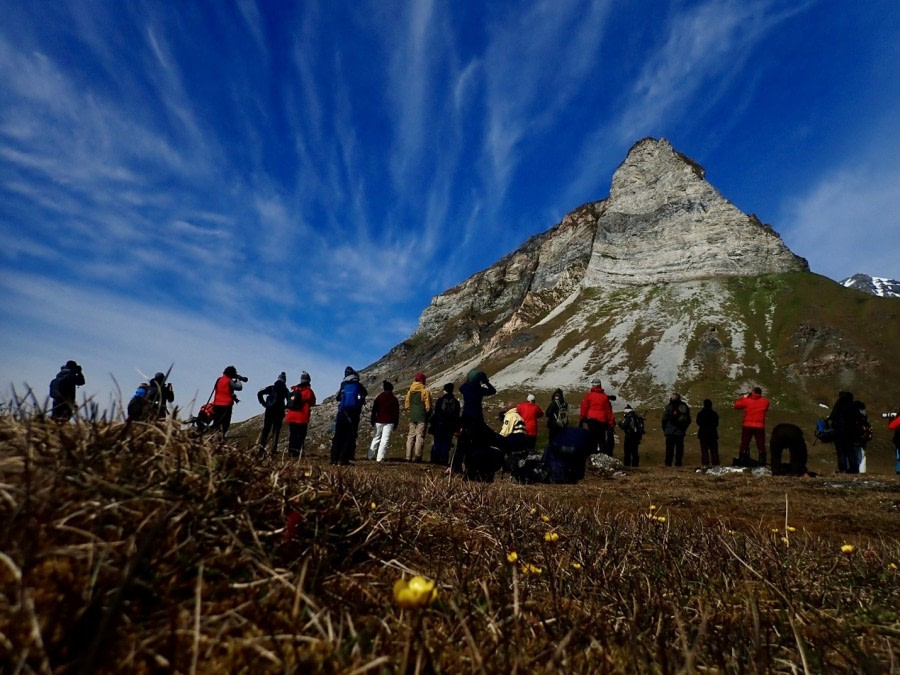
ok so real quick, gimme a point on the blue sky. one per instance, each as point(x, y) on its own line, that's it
point(285, 185)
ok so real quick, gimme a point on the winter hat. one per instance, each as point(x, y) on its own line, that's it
point(596, 382)
point(473, 375)
point(448, 387)
point(388, 386)
point(282, 376)
point(230, 371)
point(420, 377)
point(304, 377)
point(530, 398)
point(348, 371)
point(71, 365)
point(628, 408)
point(707, 403)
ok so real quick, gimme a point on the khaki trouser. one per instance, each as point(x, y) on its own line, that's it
point(415, 440)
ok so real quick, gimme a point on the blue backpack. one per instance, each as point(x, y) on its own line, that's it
point(352, 397)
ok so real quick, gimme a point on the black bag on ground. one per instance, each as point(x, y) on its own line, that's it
point(566, 455)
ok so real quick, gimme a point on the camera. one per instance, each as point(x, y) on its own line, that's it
point(889, 416)
point(612, 397)
point(243, 379)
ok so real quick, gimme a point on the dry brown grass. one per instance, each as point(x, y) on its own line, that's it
point(139, 549)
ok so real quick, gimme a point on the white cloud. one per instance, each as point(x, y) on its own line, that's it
point(848, 222)
point(47, 323)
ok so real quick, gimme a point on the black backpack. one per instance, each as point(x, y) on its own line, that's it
point(294, 401)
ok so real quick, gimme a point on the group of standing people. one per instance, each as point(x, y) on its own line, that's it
point(445, 418)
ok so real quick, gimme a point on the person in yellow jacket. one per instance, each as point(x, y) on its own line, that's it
point(418, 404)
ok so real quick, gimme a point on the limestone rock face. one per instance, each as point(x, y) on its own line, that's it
point(665, 223)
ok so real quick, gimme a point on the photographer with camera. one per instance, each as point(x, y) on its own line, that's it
point(894, 425)
point(62, 391)
point(224, 398)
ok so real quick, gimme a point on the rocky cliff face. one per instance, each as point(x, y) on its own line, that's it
point(665, 223)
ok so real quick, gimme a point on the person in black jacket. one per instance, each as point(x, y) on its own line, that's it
point(708, 434)
point(843, 418)
point(557, 414)
point(444, 424)
point(676, 419)
point(62, 391)
point(273, 398)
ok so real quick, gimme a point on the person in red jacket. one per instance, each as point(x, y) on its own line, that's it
point(299, 403)
point(385, 418)
point(224, 398)
point(531, 412)
point(755, 406)
point(894, 425)
point(597, 414)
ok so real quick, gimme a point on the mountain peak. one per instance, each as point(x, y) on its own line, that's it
point(884, 288)
point(664, 222)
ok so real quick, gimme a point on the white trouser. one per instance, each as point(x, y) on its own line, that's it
point(380, 440)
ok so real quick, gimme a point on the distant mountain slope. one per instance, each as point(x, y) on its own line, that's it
point(883, 288)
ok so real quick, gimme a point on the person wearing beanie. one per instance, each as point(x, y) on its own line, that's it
point(385, 418)
point(531, 412)
point(351, 397)
point(273, 398)
point(63, 391)
point(444, 425)
point(300, 401)
point(632, 425)
point(596, 414)
point(224, 398)
point(676, 418)
point(418, 404)
point(708, 434)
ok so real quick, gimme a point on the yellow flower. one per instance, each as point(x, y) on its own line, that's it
point(731, 532)
point(512, 557)
point(661, 519)
point(576, 566)
point(653, 507)
point(784, 540)
point(848, 548)
point(892, 566)
point(545, 517)
point(551, 536)
point(775, 530)
point(533, 512)
point(414, 593)
point(528, 568)
point(791, 529)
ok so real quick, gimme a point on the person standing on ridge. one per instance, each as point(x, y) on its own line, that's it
point(224, 398)
point(351, 398)
point(531, 412)
point(557, 414)
point(708, 434)
point(385, 418)
point(273, 398)
point(418, 404)
point(676, 419)
point(444, 425)
point(298, 409)
point(597, 415)
point(63, 390)
point(755, 407)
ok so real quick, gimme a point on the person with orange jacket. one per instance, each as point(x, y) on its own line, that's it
point(531, 412)
point(755, 406)
point(299, 403)
point(597, 415)
point(224, 398)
